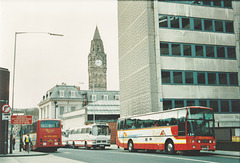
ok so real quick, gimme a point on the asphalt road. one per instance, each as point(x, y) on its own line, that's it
point(120, 156)
point(114, 155)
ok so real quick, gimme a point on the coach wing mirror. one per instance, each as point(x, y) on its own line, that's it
point(90, 132)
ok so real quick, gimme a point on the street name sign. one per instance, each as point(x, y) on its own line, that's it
point(21, 119)
point(6, 116)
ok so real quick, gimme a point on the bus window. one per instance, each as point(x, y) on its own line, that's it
point(130, 123)
point(50, 124)
point(181, 122)
point(88, 130)
point(83, 130)
point(78, 131)
point(120, 124)
point(100, 130)
point(200, 122)
point(140, 123)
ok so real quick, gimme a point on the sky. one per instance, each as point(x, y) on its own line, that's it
point(44, 61)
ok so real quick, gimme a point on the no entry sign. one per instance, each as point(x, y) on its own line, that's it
point(6, 108)
point(21, 119)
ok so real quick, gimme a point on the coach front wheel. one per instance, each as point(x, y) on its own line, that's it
point(130, 146)
point(170, 147)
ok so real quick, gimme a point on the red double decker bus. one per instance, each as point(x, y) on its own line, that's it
point(188, 129)
point(45, 135)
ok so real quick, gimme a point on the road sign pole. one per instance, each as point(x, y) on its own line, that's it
point(5, 126)
point(5, 139)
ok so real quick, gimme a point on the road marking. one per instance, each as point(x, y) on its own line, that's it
point(177, 158)
point(228, 156)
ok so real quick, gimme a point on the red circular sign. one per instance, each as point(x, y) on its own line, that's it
point(6, 108)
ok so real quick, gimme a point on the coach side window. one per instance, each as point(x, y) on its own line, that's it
point(181, 122)
point(130, 123)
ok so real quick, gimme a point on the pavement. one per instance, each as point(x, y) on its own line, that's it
point(17, 153)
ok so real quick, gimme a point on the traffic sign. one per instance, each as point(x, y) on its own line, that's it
point(21, 119)
point(6, 108)
point(6, 116)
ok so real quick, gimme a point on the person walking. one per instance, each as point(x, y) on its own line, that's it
point(27, 140)
point(13, 142)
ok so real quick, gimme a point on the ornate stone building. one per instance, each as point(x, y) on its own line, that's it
point(97, 64)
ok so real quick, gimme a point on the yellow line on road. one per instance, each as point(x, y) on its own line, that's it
point(227, 156)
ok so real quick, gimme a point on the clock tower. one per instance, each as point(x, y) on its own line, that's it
point(97, 64)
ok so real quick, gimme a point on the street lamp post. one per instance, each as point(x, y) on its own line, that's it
point(14, 67)
point(55, 102)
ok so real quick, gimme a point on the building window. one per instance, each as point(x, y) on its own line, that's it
point(73, 94)
point(193, 78)
point(212, 3)
point(210, 51)
point(201, 78)
point(164, 48)
point(189, 77)
point(163, 21)
point(61, 93)
point(185, 23)
point(190, 103)
point(196, 50)
point(197, 24)
point(199, 50)
point(233, 79)
point(220, 52)
point(223, 79)
point(216, 2)
point(214, 105)
point(227, 3)
point(94, 97)
point(187, 50)
point(167, 104)
point(208, 26)
point(212, 78)
point(224, 106)
point(61, 110)
point(176, 49)
point(202, 103)
point(218, 26)
point(177, 77)
point(117, 97)
point(47, 111)
point(229, 27)
point(174, 22)
point(105, 97)
point(166, 77)
point(235, 106)
point(73, 108)
point(179, 103)
point(231, 52)
point(206, 2)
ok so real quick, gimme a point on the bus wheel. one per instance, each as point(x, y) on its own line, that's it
point(130, 146)
point(170, 147)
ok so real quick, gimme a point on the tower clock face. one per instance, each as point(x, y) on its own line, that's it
point(98, 62)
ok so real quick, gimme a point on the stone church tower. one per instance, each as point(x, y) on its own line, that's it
point(97, 64)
